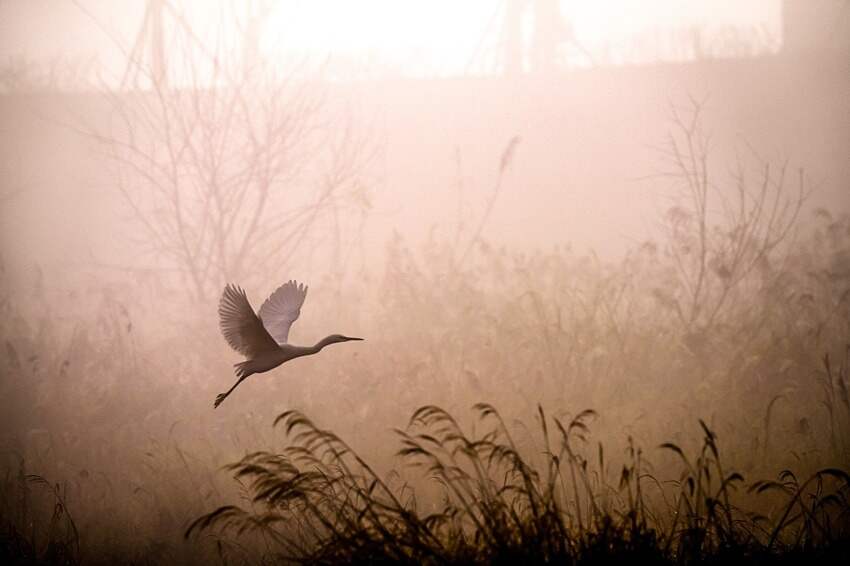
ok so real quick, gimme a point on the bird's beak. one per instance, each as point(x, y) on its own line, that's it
point(351, 338)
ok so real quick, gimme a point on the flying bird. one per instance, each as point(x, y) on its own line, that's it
point(263, 339)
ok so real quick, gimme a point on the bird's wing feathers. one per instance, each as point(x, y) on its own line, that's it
point(282, 308)
point(242, 329)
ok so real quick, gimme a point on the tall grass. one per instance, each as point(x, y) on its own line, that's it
point(27, 538)
point(318, 502)
point(133, 443)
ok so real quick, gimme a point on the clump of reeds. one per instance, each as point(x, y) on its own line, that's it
point(836, 401)
point(25, 538)
point(318, 502)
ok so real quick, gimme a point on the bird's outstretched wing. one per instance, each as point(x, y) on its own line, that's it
point(242, 329)
point(282, 308)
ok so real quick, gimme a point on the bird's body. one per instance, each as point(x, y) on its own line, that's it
point(263, 339)
point(273, 358)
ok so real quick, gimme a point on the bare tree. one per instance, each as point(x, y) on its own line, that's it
point(726, 237)
point(228, 171)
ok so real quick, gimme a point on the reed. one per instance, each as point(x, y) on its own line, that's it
point(318, 502)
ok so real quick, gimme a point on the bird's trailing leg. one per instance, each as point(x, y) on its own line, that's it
point(242, 374)
point(222, 396)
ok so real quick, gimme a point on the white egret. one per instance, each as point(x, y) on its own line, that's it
point(263, 339)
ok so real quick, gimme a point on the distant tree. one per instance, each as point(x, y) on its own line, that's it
point(725, 236)
point(20, 74)
point(228, 170)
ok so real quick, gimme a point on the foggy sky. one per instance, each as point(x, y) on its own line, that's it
point(436, 38)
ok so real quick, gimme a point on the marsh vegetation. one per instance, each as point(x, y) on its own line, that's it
point(684, 401)
point(688, 402)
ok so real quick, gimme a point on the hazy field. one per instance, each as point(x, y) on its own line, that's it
point(107, 395)
point(542, 380)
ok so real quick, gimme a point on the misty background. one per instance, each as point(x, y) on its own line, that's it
point(639, 208)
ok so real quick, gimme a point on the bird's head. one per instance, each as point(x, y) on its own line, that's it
point(340, 338)
point(337, 338)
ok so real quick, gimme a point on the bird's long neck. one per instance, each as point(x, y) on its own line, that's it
point(322, 343)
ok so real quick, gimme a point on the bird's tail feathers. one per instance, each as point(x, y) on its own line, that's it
point(242, 369)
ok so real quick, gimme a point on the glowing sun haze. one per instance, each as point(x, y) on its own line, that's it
point(446, 36)
point(409, 37)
